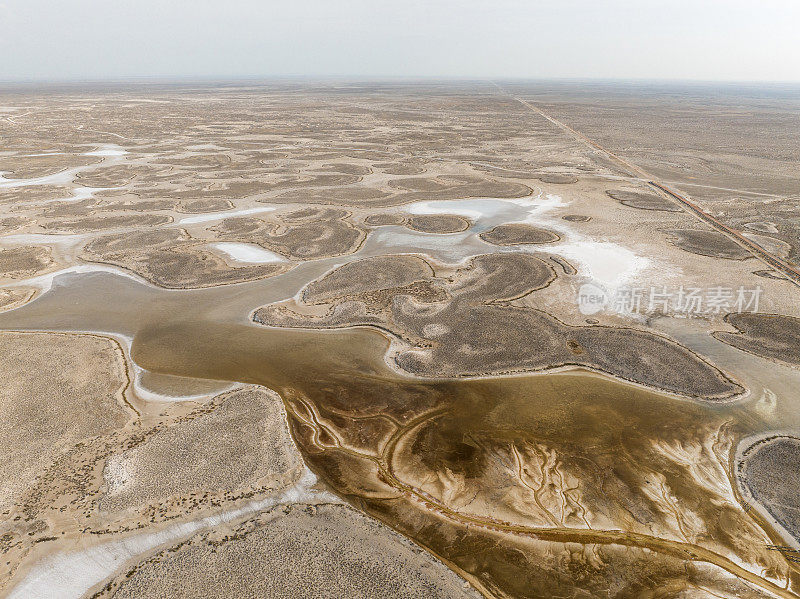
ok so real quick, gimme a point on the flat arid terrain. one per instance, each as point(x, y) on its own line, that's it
point(510, 340)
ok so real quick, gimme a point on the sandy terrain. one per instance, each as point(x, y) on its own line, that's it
point(301, 551)
point(398, 340)
point(58, 390)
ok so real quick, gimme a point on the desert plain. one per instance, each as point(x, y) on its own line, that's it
point(500, 339)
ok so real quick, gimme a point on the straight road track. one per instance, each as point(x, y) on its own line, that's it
point(790, 271)
point(787, 270)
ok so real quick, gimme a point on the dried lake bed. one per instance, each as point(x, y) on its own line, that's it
point(335, 325)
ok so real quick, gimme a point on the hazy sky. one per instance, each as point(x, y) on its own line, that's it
point(674, 39)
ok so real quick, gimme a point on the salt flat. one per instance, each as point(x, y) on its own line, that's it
point(343, 323)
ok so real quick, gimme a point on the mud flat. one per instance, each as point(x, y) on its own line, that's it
point(384, 219)
point(437, 443)
point(305, 234)
point(767, 470)
point(772, 336)
point(138, 487)
point(170, 258)
point(434, 459)
point(517, 234)
point(235, 448)
point(708, 243)
point(437, 223)
point(465, 327)
point(644, 201)
point(370, 290)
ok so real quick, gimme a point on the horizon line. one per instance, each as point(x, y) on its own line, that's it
point(356, 79)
